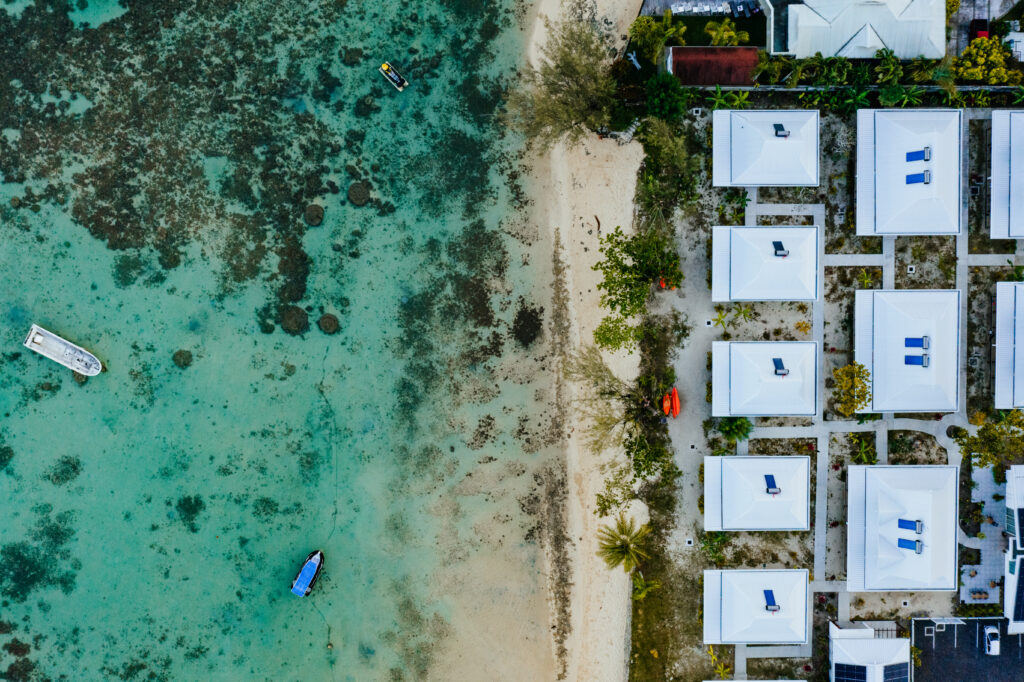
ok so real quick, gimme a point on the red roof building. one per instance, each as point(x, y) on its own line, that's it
point(712, 65)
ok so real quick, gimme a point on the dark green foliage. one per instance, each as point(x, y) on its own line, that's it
point(64, 470)
point(713, 546)
point(667, 178)
point(572, 91)
point(631, 265)
point(735, 428)
point(189, 508)
point(666, 98)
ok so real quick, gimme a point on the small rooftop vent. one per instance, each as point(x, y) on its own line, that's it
point(780, 130)
point(780, 250)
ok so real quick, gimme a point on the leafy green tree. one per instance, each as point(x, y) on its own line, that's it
point(889, 70)
point(952, 7)
point(739, 100)
point(724, 32)
point(665, 97)
point(623, 543)
point(996, 444)
point(570, 93)
point(615, 332)
point(855, 99)
point(985, 61)
point(852, 390)
point(650, 36)
point(735, 429)
point(631, 264)
point(669, 172)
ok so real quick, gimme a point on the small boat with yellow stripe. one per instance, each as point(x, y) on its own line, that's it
point(393, 76)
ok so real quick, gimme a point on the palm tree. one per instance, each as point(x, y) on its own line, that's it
point(642, 587)
point(796, 74)
point(855, 99)
point(922, 70)
point(1018, 94)
point(912, 96)
point(724, 32)
point(722, 320)
point(719, 100)
point(622, 544)
point(743, 312)
point(739, 100)
point(769, 67)
point(943, 74)
point(865, 279)
point(891, 95)
point(889, 69)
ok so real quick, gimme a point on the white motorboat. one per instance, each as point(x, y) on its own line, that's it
point(60, 350)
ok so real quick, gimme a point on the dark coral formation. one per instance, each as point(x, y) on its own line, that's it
point(328, 323)
point(64, 470)
point(182, 358)
point(313, 215)
point(359, 193)
point(39, 560)
point(294, 320)
point(528, 324)
point(189, 507)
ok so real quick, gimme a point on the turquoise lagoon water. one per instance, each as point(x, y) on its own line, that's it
point(156, 164)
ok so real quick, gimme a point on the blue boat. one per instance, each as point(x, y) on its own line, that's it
point(310, 571)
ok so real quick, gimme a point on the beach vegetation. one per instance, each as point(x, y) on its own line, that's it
point(852, 389)
point(735, 429)
point(668, 174)
point(666, 98)
point(985, 61)
point(724, 33)
point(865, 444)
point(712, 545)
point(650, 35)
point(997, 443)
point(952, 7)
point(889, 68)
point(643, 587)
point(622, 544)
point(572, 91)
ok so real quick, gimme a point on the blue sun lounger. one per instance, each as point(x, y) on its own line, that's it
point(915, 545)
point(770, 486)
point(769, 602)
point(916, 342)
point(923, 178)
point(920, 155)
point(780, 250)
point(919, 360)
point(780, 369)
point(916, 526)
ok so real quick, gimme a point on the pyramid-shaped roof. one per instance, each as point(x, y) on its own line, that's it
point(748, 152)
point(735, 613)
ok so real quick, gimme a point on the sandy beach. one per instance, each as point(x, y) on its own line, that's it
point(578, 193)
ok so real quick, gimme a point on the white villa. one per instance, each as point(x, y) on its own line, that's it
point(764, 263)
point(757, 493)
point(1007, 185)
point(756, 606)
point(902, 528)
point(909, 340)
point(765, 148)
point(859, 28)
point(1009, 340)
point(909, 171)
point(1013, 586)
point(856, 653)
point(764, 378)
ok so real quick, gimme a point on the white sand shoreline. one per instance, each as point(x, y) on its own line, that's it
point(579, 192)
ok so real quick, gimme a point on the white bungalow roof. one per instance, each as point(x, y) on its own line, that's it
point(859, 28)
point(1007, 186)
point(879, 497)
point(1009, 364)
point(891, 198)
point(748, 153)
point(744, 266)
point(734, 607)
point(884, 320)
point(736, 497)
point(744, 382)
point(859, 647)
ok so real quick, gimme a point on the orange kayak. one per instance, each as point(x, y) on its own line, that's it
point(666, 403)
point(675, 402)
